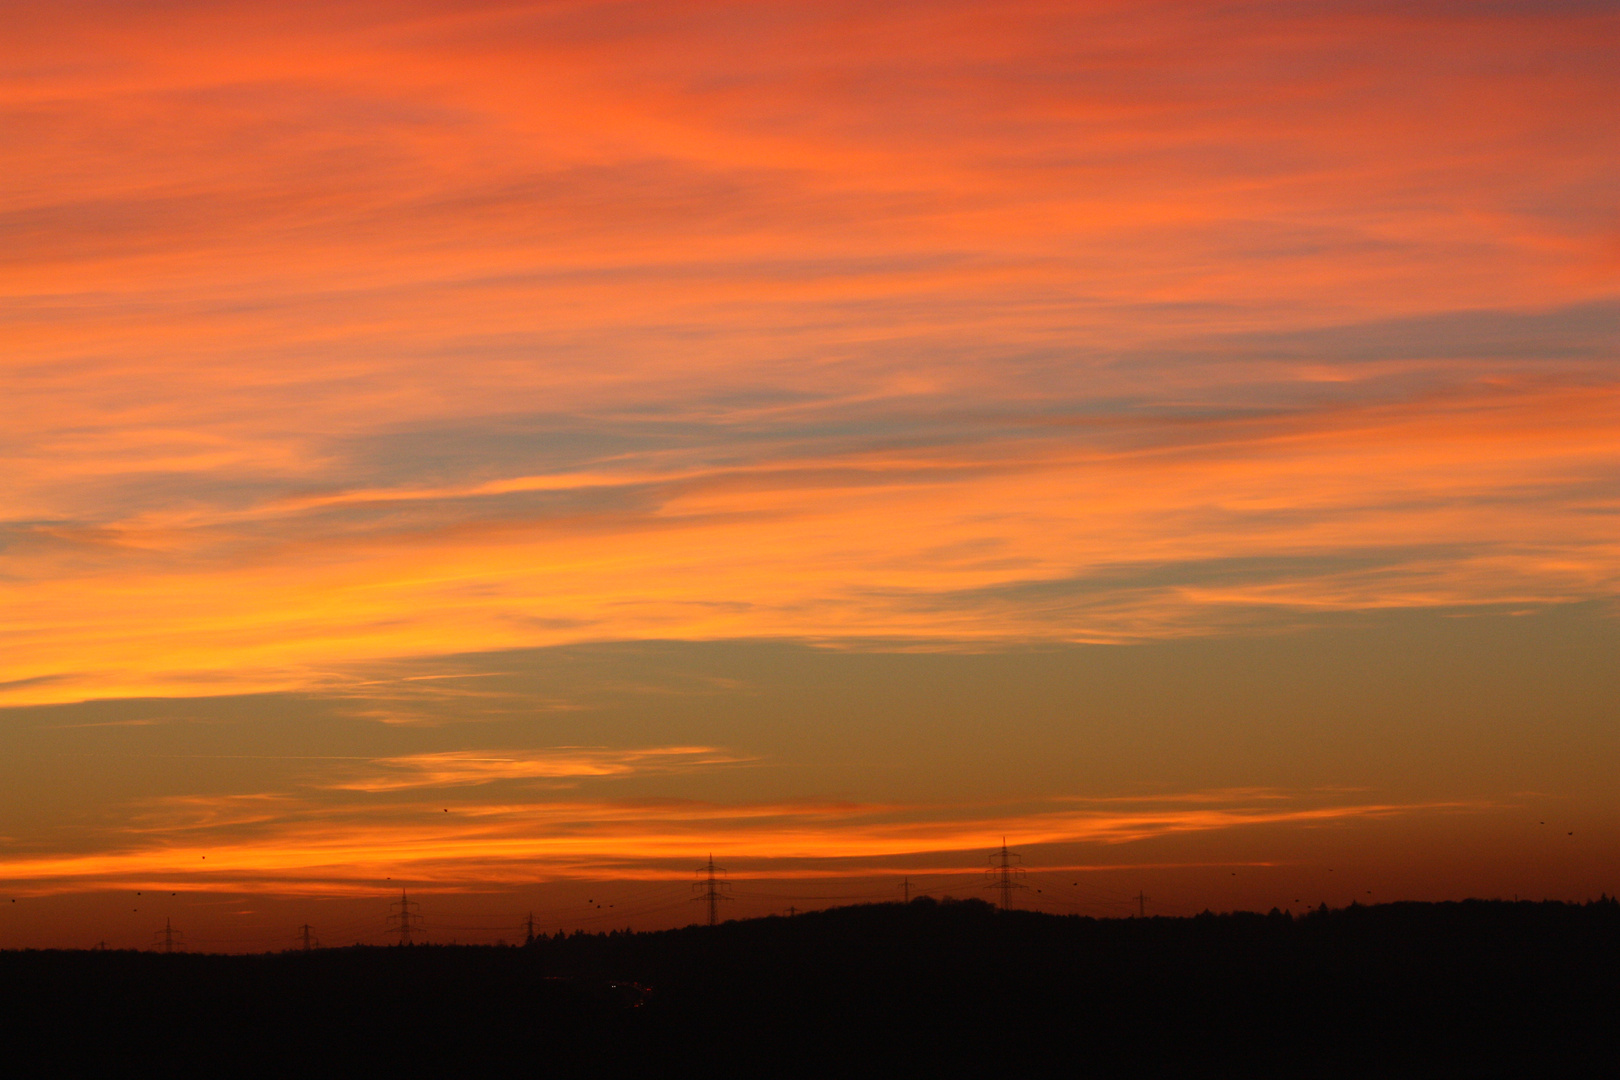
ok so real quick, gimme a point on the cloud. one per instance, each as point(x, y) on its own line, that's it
point(348, 332)
point(1018, 524)
point(282, 845)
point(454, 768)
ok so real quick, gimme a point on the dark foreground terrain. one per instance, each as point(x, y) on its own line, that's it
point(1476, 989)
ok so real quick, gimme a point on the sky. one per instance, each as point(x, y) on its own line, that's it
point(512, 450)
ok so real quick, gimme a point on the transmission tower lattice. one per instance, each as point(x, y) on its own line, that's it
point(170, 938)
point(712, 887)
point(405, 917)
point(1004, 875)
point(306, 937)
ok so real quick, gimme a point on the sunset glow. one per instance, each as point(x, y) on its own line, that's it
point(829, 436)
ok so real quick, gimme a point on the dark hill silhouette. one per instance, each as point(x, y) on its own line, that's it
point(1473, 989)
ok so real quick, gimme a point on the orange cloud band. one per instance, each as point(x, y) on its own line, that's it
point(489, 845)
point(1041, 538)
point(361, 330)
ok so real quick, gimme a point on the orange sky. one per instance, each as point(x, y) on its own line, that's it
point(358, 354)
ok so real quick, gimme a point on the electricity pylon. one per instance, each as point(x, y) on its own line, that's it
point(712, 886)
point(168, 934)
point(406, 920)
point(1004, 875)
point(306, 934)
point(529, 939)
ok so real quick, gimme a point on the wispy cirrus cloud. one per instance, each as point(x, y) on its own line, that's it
point(457, 768)
point(397, 293)
point(275, 844)
point(1092, 525)
point(348, 337)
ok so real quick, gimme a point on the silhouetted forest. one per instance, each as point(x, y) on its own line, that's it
point(1473, 989)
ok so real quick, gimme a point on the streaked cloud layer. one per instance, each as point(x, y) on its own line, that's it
point(283, 845)
point(347, 331)
point(456, 768)
point(356, 354)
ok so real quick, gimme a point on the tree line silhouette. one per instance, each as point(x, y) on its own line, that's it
point(1476, 988)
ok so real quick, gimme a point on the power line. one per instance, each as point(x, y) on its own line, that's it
point(711, 887)
point(1062, 890)
point(406, 919)
point(1004, 875)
